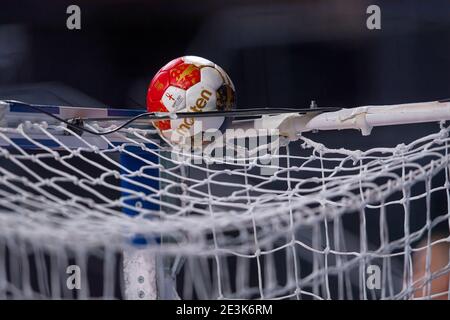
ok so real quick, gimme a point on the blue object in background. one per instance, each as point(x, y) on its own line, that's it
point(134, 164)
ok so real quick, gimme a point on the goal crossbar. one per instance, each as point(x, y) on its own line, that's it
point(362, 118)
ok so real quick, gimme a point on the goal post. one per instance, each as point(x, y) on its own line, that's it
point(285, 218)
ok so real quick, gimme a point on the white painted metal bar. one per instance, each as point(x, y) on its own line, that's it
point(364, 118)
point(361, 118)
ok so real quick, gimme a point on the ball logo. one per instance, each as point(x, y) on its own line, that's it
point(170, 96)
point(182, 75)
point(159, 86)
point(200, 103)
point(185, 75)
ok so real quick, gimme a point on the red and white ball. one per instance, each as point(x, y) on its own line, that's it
point(190, 84)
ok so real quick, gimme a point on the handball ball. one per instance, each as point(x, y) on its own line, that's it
point(190, 84)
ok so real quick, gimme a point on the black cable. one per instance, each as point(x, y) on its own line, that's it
point(71, 123)
point(77, 124)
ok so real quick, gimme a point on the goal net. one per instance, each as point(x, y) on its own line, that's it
point(126, 215)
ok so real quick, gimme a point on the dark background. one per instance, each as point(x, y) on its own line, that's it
point(279, 53)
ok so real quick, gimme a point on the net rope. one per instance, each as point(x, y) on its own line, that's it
point(304, 222)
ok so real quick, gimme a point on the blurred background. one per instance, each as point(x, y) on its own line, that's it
point(281, 53)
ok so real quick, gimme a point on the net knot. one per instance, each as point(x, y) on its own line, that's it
point(95, 149)
point(142, 146)
point(27, 124)
point(5, 153)
point(400, 149)
point(208, 160)
point(355, 155)
point(443, 135)
point(320, 148)
point(116, 174)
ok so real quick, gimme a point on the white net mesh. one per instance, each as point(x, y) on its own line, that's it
point(305, 222)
